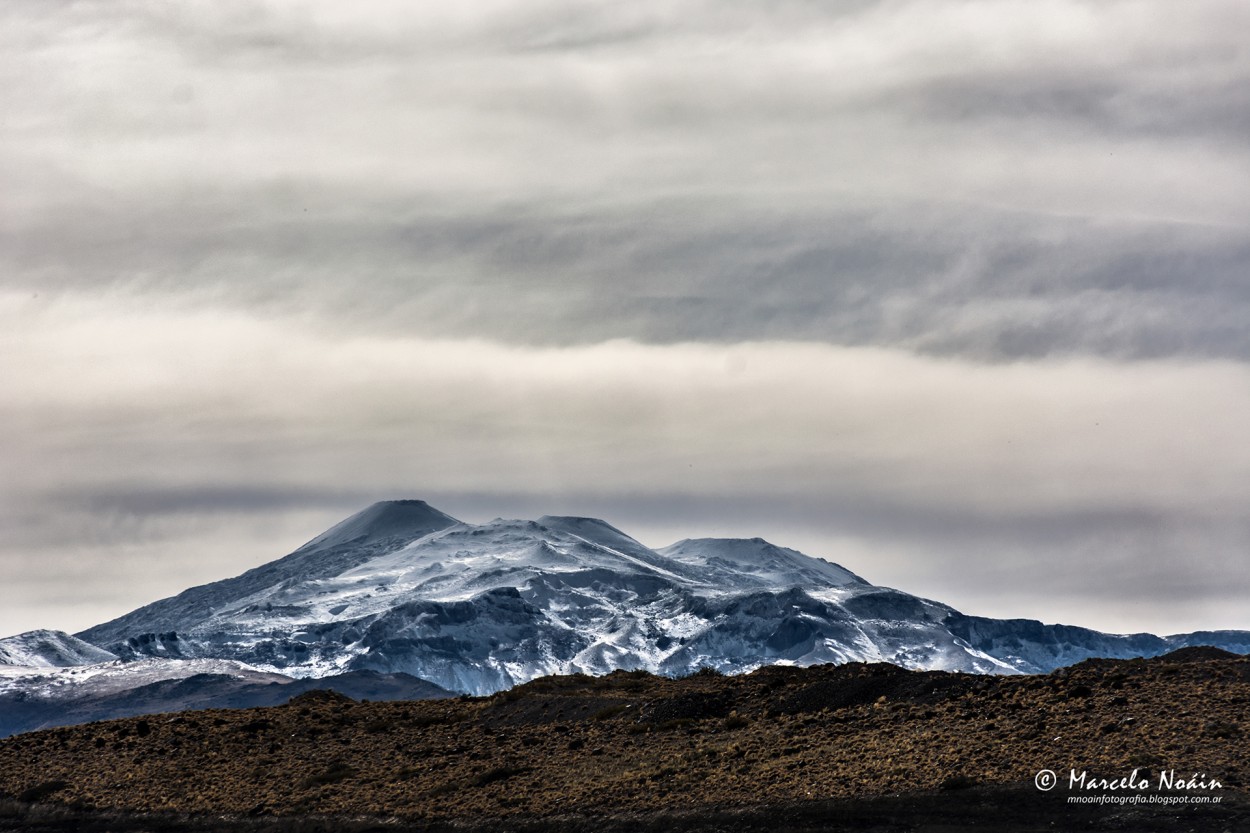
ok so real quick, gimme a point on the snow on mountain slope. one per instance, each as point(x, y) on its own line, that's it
point(481, 607)
point(114, 676)
point(1236, 641)
point(611, 539)
point(381, 528)
point(1032, 647)
point(402, 587)
point(383, 522)
point(65, 696)
point(49, 649)
point(453, 564)
point(738, 562)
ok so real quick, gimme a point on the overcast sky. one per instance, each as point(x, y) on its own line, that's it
point(956, 294)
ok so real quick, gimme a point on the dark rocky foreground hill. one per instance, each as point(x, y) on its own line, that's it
point(856, 747)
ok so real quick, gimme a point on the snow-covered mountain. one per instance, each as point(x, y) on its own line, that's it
point(49, 649)
point(39, 697)
point(402, 587)
point(379, 529)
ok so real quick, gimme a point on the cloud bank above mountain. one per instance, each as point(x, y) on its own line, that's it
point(952, 293)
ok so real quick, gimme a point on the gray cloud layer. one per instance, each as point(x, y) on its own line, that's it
point(952, 292)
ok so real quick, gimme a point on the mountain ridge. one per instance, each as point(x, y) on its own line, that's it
point(335, 549)
point(49, 649)
point(401, 587)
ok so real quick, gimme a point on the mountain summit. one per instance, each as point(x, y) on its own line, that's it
point(384, 521)
point(402, 587)
point(377, 530)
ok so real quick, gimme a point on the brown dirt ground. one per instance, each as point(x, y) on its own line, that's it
point(635, 746)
